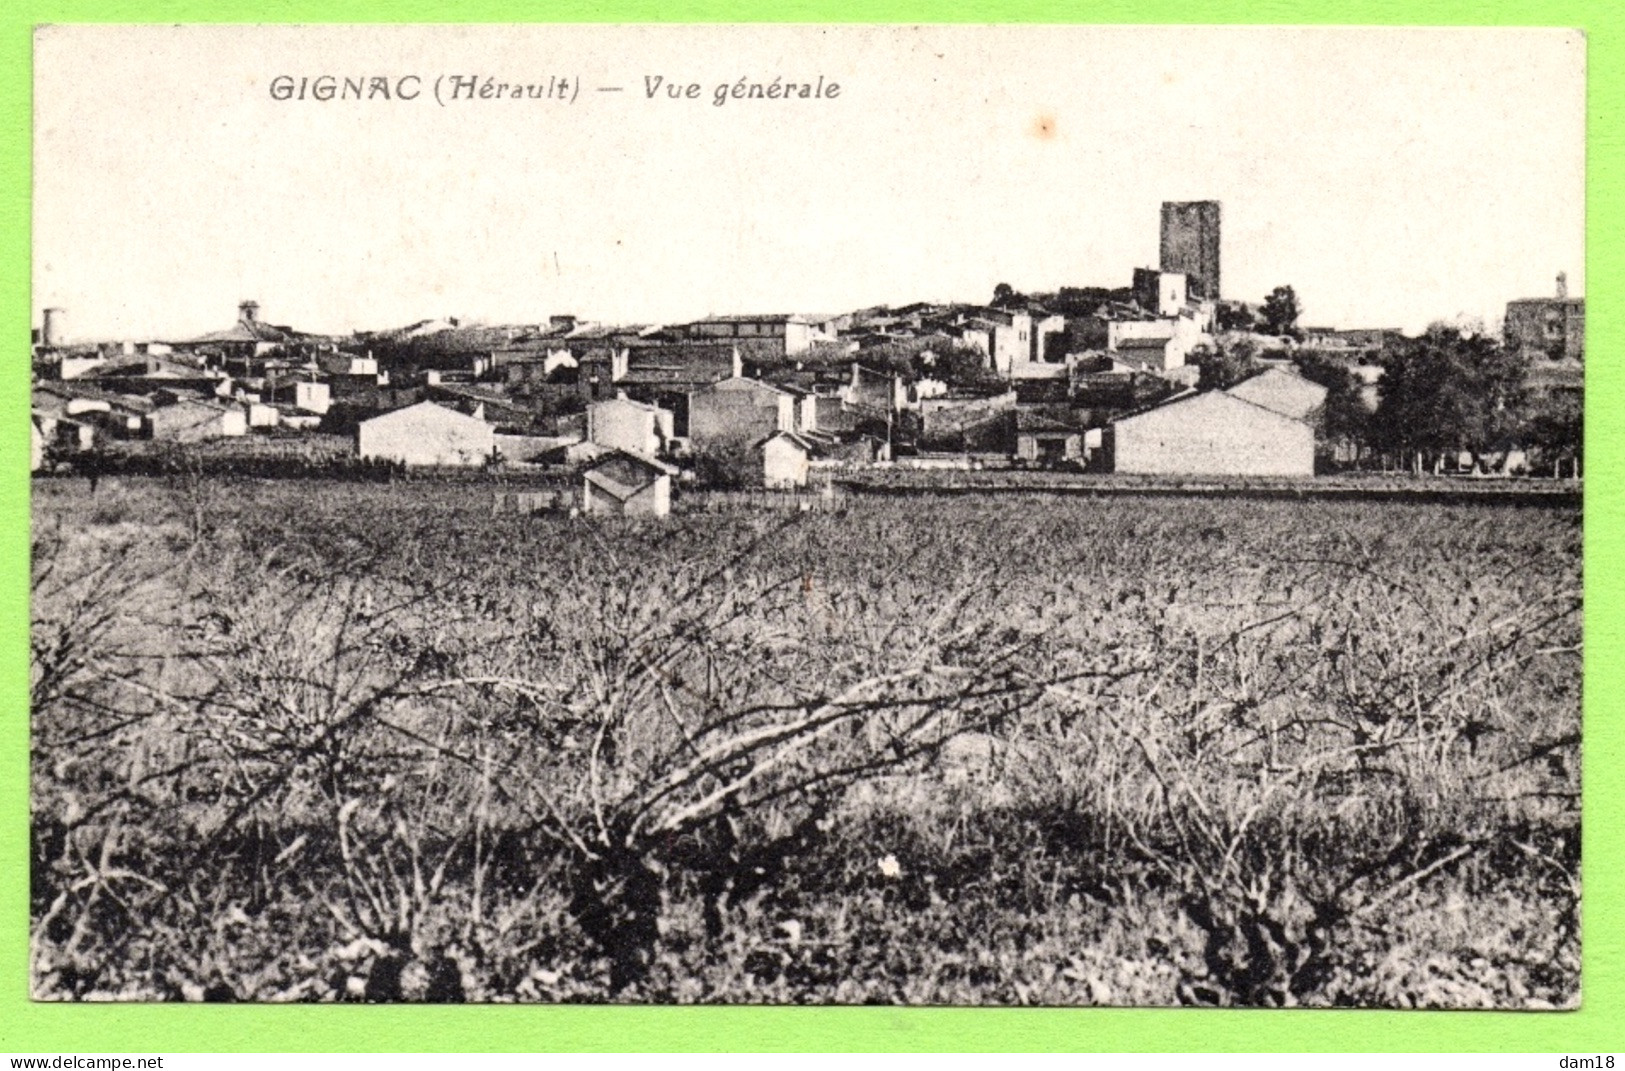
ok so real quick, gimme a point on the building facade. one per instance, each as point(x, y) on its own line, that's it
point(1211, 434)
point(738, 412)
point(1160, 292)
point(623, 424)
point(1004, 336)
point(426, 434)
point(795, 334)
point(1553, 328)
point(1158, 345)
point(787, 459)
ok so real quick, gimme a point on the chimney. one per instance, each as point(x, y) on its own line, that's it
point(1562, 285)
point(248, 311)
point(50, 333)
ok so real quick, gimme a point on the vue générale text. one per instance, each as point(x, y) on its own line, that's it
point(448, 89)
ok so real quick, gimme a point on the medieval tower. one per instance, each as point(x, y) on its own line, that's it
point(1190, 244)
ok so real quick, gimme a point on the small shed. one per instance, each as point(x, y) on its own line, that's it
point(297, 419)
point(191, 421)
point(787, 457)
point(74, 436)
point(426, 434)
point(1048, 438)
point(628, 485)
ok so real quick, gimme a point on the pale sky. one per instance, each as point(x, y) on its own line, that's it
point(1392, 177)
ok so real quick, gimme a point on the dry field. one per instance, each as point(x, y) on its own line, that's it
point(323, 741)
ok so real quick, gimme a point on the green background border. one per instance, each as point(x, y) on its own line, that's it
point(1597, 1027)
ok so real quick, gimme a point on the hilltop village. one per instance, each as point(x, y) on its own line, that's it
point(1161, 375)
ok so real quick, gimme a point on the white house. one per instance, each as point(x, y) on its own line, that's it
point(1212, 434)
point(1004, 335)
point(1161, 292)
point(623, 424)
point(312, 396)
point(1159, 345)
point(426, 434)
point(261, 415)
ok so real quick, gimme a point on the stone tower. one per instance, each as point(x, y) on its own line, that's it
point(50, 332)
point(1190, 244)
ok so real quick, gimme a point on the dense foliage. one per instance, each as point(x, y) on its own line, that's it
point(1451, 390)
point(317, 741)
point(1280, 312)
point(1224, 364)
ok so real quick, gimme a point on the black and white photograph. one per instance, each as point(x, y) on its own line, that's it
point(807, 514)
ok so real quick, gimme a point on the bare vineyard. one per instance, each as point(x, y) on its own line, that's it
point(348, 741)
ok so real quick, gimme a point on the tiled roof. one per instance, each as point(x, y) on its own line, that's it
point(1032, 420)
point(766, 318)
point(615, 487)
point(805, 443)
point(631, 402)
point(676, 377)
point(737, 383)
point(623, 473)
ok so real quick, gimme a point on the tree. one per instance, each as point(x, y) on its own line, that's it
point(1006, 296)
point(1450, 390)
point(1555, 426)
point(1223, 367)
point(1235, 316)
point(1281, 312)
point(1344, 419)
point(964, 367)
point(900, 357)
point(728, 468)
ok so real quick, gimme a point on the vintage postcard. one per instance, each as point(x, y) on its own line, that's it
point(951, 515)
